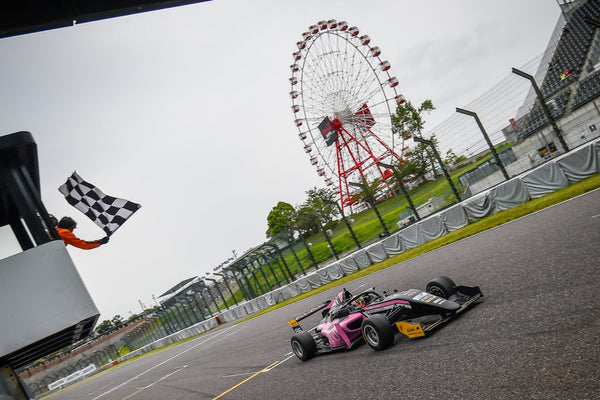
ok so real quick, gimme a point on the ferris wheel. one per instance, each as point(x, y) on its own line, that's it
point(342, 99)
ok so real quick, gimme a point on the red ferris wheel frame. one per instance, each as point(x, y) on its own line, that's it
point(361, 154)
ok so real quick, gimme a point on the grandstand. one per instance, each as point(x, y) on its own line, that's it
point(568, 77)
point(572, 76)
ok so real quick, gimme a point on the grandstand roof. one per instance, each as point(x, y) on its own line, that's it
point(17, 149)
point(177, 288)
point(22, 17)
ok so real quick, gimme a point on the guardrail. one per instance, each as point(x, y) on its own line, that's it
point(73, 377)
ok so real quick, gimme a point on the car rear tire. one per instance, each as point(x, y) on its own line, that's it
point(377, 332)
point(442, 286)
point(304, 345)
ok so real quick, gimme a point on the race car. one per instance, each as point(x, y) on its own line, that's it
point(349, 319)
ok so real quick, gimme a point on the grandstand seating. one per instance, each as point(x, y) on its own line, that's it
point(572, 70)
point(588, 89)
point(572, 49)
point(537, 118)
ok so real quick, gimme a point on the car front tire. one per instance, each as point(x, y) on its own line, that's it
point(442, 286)
point(303, 345)
point(377, 332)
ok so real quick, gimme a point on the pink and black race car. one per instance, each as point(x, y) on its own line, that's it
point(348, 319)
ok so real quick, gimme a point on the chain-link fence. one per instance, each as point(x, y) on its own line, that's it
point(532, 126)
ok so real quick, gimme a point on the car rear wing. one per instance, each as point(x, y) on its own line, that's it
point(312, 311)
point(294, 322)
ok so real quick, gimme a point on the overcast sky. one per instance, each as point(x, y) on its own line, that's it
point(187, 112)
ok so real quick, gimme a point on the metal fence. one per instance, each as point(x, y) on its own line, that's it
point(538, 109)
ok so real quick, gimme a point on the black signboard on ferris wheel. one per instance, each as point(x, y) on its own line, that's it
point(328, 131)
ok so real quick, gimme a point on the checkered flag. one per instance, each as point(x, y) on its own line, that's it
point(108, 212)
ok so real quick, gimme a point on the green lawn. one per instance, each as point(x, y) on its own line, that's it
point(500, 218)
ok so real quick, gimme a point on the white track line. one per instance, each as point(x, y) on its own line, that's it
point(289, 355)
point(279, 363)
point(162, 363)
point(139, 390)
point(164, 377)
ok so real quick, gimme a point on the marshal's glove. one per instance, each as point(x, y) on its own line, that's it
point(104, 240)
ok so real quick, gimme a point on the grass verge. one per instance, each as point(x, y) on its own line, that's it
point(484, 224)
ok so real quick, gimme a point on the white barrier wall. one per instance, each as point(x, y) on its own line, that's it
point(193, 330)
point(73, 377)
point(557, 174)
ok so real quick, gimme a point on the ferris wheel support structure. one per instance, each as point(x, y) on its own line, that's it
point(372, 160)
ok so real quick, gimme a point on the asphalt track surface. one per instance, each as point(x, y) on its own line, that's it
point(536, 334)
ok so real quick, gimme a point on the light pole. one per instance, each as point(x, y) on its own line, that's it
point(310, 254)
point(316, 218)
point(206, 303)
point(188, 304)
point(191, 293)
point(291, 246)
point(345, 221)
point(227, 284)
point(219, 291)
point(292, 276)
point(245, 292)
point(437, 156)
point(542, 101)
point(487, 139)
point(184, 312)
point(371, 201)
point(401, 183)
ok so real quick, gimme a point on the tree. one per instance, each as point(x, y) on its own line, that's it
point(451, 158)
point(319, 203)
point(132, 317)
point(116, 320)
point(416, 163)
point(107, 325)
point(361, 195)
point(282, 216)
point(408, 122)
point(307, 220)
point(104, 327)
